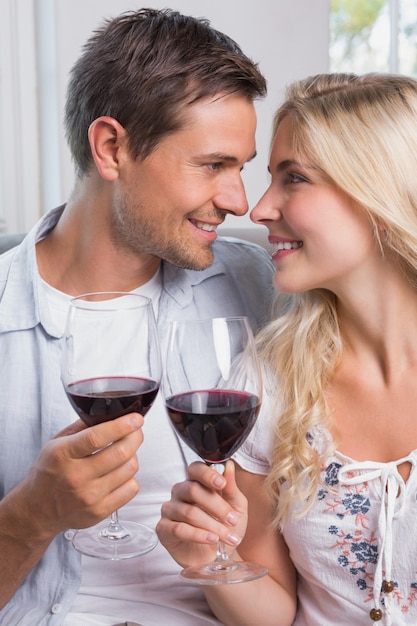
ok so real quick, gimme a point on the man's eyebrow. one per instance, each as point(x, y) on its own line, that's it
point(219, 156)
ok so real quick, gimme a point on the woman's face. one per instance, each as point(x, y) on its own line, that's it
point(321, 237)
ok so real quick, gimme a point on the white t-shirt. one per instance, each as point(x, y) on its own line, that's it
point(147, 589)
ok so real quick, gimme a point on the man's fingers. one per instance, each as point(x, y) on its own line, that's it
point(92, 439)
point(73, 428)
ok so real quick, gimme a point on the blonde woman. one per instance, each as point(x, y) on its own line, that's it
point(324, 492)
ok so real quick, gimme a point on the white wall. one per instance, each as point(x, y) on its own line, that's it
point(288, 38)
point(19, 157)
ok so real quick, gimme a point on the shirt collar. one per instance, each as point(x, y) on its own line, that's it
point(23, 303)
point(178, 282)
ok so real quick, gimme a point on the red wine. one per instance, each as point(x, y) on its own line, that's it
point(214, 423)
point(102, 399)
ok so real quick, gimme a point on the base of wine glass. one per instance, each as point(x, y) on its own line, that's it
point(132, 540)
point(223, 572)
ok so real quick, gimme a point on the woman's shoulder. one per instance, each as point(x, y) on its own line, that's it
point(255, 454)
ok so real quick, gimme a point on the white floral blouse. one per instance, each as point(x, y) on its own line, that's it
point(355, 550)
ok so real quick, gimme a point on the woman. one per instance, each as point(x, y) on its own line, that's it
point(327, 481)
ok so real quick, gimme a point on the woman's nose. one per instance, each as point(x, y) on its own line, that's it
point(266, 209)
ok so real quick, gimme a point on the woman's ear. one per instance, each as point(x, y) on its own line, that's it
point(107, 140)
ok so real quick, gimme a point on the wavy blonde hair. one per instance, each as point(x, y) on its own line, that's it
point(360, 134)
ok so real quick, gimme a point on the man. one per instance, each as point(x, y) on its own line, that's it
point(160, 121)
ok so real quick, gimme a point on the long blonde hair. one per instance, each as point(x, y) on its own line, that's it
point(360, 133)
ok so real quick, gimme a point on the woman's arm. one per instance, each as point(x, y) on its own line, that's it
point(198, 514)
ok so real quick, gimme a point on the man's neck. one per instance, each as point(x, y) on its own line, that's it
point(80, 256)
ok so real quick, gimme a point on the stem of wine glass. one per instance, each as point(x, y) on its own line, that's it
point(114, 530)
point(222, 558)
point(221, 554)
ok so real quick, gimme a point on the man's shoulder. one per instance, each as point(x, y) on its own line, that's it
point(228, 246)
point(6, 259)
point(16, 275)
point(240, 256)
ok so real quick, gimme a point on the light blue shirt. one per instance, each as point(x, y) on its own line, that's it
point(34, 406)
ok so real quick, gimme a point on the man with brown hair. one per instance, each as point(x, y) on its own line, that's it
point(160, 121)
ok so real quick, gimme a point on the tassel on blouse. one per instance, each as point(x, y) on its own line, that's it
point(392, 503)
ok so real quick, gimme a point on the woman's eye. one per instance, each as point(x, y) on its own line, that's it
point(293, 177)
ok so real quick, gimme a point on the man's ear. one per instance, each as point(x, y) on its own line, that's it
point(107, 139)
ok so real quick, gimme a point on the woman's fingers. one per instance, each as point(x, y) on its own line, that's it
point(202, 510)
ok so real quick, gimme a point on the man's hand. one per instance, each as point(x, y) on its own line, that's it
point(80, 477)
point(83, 474)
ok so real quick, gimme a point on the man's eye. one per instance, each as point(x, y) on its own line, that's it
point(214, 166)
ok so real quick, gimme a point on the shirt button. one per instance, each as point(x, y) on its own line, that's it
point(56, 608)
point(69, 534)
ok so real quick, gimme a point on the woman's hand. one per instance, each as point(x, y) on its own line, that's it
point(209, 506)
point(205, 508)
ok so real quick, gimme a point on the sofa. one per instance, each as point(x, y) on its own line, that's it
point(9, 241)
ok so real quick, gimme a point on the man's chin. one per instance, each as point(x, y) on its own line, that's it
point(198, 263)
point(197, 267)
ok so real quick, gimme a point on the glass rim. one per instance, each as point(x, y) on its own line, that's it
point(198, 320)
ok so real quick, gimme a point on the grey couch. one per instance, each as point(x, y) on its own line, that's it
point(9, 241)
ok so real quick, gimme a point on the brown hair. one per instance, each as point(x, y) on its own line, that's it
point(144, 68)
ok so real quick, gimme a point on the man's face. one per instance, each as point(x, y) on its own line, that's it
point(170, 204)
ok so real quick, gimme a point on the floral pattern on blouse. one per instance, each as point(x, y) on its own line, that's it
point(357, 551)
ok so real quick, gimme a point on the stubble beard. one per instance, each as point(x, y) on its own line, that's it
point(140, 237)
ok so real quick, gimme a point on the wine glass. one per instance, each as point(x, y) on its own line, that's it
point(212, 388)
point(111, 366)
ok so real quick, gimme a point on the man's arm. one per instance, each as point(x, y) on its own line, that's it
point(79, 478)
